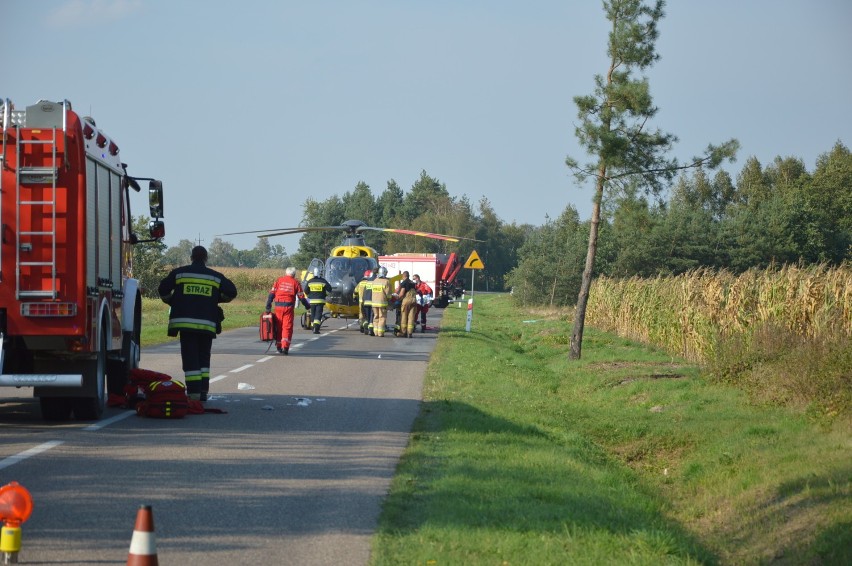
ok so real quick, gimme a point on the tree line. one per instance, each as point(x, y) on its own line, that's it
point(768, 215)
point(780, 213)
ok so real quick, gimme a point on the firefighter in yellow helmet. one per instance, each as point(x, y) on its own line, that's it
point(381, 290)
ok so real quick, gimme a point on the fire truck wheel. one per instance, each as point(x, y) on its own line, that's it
point(56, 408)
point(91, 408)
point(118, 371)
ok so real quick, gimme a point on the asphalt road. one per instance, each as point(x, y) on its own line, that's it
point(294, 473)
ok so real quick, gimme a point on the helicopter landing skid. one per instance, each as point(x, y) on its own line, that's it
point(307, 323)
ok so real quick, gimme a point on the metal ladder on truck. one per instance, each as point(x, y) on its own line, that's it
point(45, 174)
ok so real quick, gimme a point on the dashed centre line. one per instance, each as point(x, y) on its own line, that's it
point(35, 450)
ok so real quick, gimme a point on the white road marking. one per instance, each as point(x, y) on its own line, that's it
point(35, 450)
point(109, 421)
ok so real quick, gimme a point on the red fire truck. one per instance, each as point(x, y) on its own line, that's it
point(70, 310)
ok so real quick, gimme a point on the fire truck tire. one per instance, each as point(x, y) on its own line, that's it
point(441, 302)
point(118, 370)
point(92, 408)
point(56, 408)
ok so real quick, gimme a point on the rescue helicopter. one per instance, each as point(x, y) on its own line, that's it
point(348, 262)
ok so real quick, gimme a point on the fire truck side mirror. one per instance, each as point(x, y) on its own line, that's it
point(155, 198)
point(157, 229)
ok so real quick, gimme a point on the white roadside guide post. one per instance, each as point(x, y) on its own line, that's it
point(473, 263)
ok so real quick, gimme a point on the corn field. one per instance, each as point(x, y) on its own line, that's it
point(686, 314)
point(251, 281)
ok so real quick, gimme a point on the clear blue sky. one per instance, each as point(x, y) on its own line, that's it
point(246, 109)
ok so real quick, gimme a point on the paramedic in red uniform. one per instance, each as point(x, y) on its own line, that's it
point(284, 294)
point(424, 292)
point(194, 292)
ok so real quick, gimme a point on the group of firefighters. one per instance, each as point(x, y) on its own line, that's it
point(195, 291)
point(411, 298)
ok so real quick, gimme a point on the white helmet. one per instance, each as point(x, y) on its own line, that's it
point(317, 271)
point(382, 271)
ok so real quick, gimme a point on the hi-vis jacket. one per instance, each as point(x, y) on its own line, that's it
point(364, 291)
point(194, 293)
point(381, 290)
point(316, 289)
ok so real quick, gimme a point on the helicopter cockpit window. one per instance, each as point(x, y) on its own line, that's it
point(338, 267)
point(362, 264)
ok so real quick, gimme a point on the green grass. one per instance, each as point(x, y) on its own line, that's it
point(628, 456)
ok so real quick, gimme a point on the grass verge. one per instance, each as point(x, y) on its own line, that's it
point(520, 456)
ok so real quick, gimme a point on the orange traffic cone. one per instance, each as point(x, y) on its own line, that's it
point(143, 545)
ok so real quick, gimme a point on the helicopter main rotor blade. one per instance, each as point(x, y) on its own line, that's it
point(352, 227)
point(282, 231)
point(431, 235)
point(421, 234)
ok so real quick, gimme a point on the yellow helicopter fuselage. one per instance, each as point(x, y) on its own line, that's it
point(343, 269)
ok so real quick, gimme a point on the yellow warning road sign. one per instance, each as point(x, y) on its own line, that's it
point(473, 262)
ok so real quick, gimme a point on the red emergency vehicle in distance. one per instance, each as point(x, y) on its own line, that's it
point(439, 271)
point(70, 310)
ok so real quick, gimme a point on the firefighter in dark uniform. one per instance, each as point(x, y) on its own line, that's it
point(194, 292)
point(316, 290)
point(365, 301)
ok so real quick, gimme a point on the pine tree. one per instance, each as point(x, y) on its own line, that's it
point(614, 128)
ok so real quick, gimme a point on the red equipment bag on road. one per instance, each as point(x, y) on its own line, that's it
point(137, 385)
point(164, 400)
point(267, 327)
